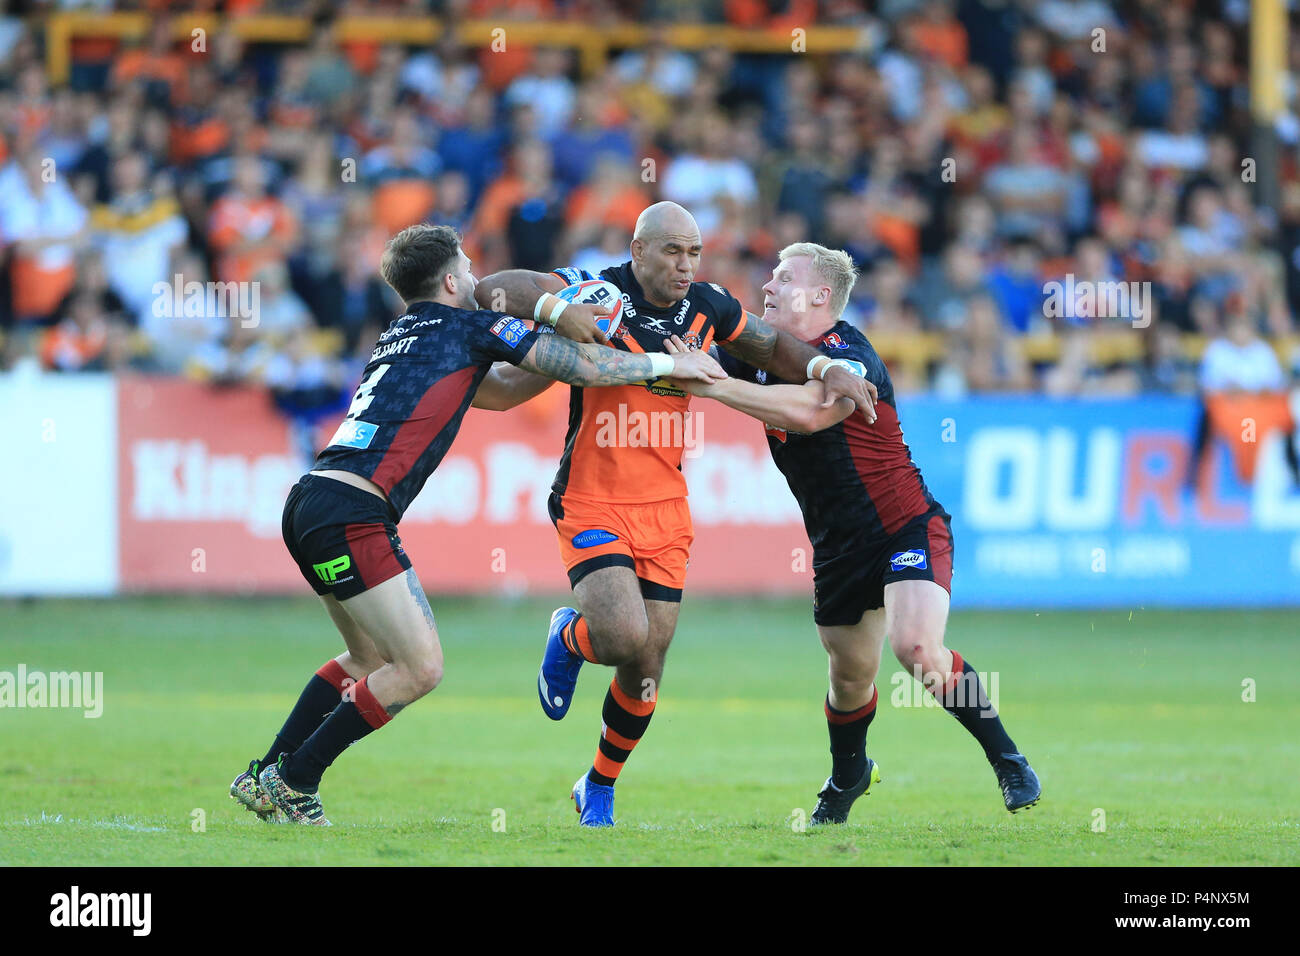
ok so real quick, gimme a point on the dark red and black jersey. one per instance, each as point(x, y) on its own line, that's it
point(856, 484)
point(419, 381)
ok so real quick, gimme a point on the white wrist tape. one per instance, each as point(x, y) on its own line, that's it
point(661, 365)
point(537, 309)
point(810, 373)
point(560, 306)
point(554, 303)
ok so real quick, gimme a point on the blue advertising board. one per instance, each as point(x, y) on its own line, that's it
point(1073, 503)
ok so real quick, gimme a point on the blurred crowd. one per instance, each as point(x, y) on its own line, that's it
point(968, 154)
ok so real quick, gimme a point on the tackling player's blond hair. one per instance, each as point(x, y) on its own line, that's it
point(833, 265)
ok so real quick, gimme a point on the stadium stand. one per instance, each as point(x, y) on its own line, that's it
point(971, 156)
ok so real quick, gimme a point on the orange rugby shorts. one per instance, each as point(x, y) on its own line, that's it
point(652, 538)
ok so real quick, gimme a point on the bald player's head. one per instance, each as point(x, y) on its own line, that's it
point(666, 251)
point(664, 219)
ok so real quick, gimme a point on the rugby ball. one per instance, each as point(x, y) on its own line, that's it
point(598, 292)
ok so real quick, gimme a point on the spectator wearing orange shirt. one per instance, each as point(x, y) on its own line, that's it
point(780, 16)
point(31, 108)
point(248, 227)
point(402, 172)
point(290, 109)
point(528, 175)
point(155, 63)
point(940, 35)
point(78, 342)
point(44, 224)
point(611, 197)
point(1242, 381)
point(198, 130)
point(91, 323)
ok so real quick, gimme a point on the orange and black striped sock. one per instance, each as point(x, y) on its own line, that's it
point(848, 730)
point(577, 638)
point(623, 721)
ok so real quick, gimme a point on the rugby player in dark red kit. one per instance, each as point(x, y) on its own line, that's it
point(340, 520)
point(882, 546)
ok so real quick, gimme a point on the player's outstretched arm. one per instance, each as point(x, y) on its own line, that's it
point(780, 353)
point(529, 295)
point(593, 365)
point(796, 408)
point(506, 386)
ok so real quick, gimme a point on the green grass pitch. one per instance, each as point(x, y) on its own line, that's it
point(1134, 719)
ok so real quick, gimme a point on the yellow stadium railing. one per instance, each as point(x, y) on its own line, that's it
point(592, 44)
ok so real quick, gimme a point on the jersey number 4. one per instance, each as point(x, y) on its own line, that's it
point(366, 391)
point(354, 433)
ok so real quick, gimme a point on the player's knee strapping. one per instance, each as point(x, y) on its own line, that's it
point(962, 695)
point(624, 720)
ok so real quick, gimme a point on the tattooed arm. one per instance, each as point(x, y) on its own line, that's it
point(506, 386)
point(780, 353)
point(591, 365)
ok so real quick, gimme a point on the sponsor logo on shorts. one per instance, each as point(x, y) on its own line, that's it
point(354, 434)
point(592, 537)
point(908, 559)
point(509, 330)
point(329, 571)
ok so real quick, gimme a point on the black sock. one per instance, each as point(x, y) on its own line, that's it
point(965, 699)
point(316, 702)
point(357, 714)
point(848, 730)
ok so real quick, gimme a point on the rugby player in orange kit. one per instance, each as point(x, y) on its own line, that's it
point(619, 498)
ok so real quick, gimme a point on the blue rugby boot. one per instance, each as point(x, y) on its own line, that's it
point(594, 803)
point(559, 672)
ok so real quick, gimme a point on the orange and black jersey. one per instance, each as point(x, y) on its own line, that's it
point(856, 484)
point(625, 442)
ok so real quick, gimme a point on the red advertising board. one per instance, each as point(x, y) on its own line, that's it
point(203, 473)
